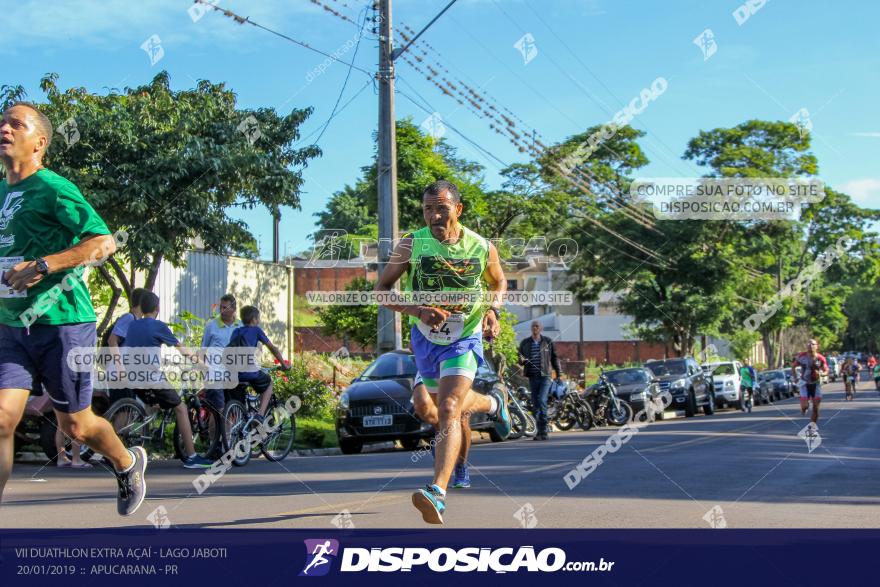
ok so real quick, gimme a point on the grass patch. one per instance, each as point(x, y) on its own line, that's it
point(315, 433)
point(303, 313)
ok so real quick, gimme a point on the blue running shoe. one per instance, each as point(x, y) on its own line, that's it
point(461, 479)
point(502, 415)
point(430, 503)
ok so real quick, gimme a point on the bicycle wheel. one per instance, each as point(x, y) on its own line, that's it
point(282, 427)
point(205, 430)
point(235, 420)
point(129, 420)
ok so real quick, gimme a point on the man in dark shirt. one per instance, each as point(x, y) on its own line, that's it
point(144, 338)
point(537, 355)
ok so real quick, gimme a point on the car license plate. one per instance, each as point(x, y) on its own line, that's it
point(373, 421)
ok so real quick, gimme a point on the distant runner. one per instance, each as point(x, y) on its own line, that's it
point(813, 366)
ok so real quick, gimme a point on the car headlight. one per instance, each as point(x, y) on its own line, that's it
point(679, 384)
point(343, 400)
point(728, 384)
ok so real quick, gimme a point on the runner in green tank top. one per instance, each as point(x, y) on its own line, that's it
point(446, 338)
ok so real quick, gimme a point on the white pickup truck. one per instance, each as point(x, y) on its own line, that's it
point(725, 381)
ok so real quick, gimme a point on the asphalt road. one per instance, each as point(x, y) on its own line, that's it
point(672, 473)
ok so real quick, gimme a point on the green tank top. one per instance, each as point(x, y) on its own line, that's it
point(435, 267)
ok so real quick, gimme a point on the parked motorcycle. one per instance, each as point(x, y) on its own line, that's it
point(565, 408)
point(522, 422)
point(606, 407)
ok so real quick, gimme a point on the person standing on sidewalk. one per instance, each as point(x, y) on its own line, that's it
point(218, 332)
point(537, 355)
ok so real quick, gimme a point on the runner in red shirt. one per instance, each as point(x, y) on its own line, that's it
point(812, 366)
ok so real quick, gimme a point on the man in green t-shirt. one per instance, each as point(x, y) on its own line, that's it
point(447, 261)
point(48, 232)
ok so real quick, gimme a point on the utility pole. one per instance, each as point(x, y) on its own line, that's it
point(389, 337)
point(276, 224)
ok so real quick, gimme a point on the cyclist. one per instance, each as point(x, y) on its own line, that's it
point(447, 340)
point(48, 232)
point(851, 377)
point(142, 343)
point(250, 335)
point(812, 366)
point(748, 378)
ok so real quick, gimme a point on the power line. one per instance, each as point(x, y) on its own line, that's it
point(247, 20)
point(455, 130)
point(337, 112)
point(347, 76)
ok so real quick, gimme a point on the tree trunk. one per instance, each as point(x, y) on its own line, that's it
point(120, 274)
point(114, 299)
point(153, 272)
point(768, 347)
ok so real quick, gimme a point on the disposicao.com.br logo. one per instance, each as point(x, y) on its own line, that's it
point(444, 559)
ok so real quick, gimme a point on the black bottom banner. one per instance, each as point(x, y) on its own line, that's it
point(268, 558)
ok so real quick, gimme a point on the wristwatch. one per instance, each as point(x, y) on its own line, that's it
point(42, 266)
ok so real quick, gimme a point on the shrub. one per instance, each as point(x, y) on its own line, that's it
point(317, 398)
point(311, 436)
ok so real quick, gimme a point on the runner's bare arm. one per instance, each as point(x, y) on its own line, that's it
point(88, 250)
point(498, 287)
point(394, 270)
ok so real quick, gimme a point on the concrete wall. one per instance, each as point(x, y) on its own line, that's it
point(205, 277)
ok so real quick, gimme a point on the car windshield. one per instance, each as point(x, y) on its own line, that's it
point(723, 369)
point(661, 368)
point(627, 376)
point(773, 375)
point(391, 365)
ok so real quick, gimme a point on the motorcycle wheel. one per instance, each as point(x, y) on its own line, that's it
point(566, 419)
point(517, 422)
point(621, 415)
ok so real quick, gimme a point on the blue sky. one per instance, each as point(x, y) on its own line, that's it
point(593, 56)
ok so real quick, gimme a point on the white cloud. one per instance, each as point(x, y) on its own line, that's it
point(865, 192)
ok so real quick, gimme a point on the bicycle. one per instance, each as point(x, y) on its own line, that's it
point(138, 421)
point(274, 433)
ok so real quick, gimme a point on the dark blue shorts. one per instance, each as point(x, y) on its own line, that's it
point(35, 357)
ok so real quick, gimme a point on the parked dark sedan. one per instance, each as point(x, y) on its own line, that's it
point(637, 386)
point(774, 384)
point(377, 406)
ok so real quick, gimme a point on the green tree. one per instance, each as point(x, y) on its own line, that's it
point(357, 323)
point(773, 253)
point(167, 165)
point(671, 276)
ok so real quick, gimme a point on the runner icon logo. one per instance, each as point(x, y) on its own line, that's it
point(810, 435)
point(319, 554)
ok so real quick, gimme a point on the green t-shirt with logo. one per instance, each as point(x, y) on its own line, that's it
point(437, 267)
point(41, 215)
